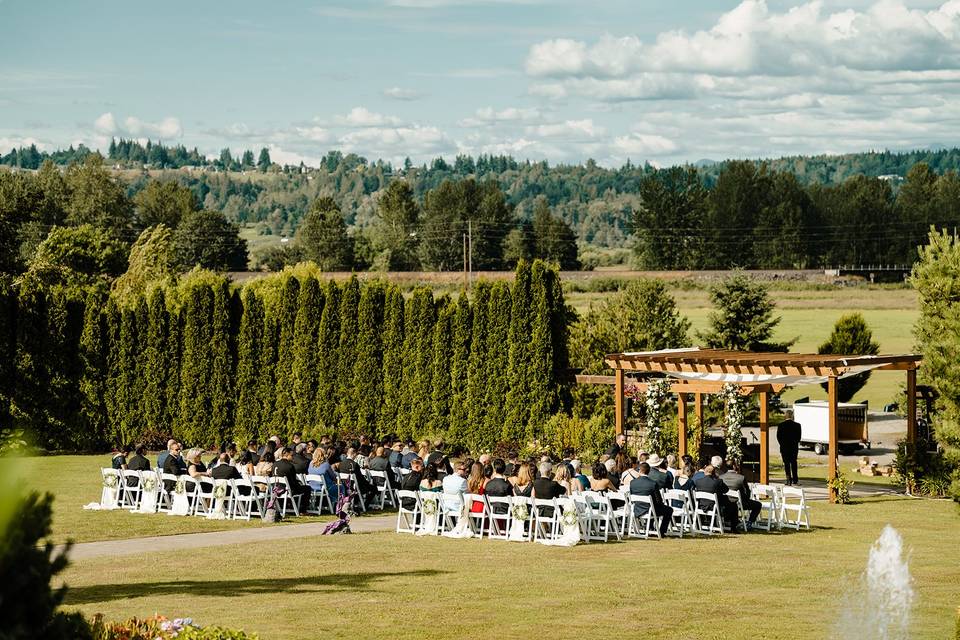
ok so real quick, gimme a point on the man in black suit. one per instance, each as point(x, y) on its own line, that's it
point(174, 464)
point(380, 462)
point(224, 470)
point(788, 437)
point(513, 464)
point(350, 465)
point(710, 483)
point(411, 481)
point(284, 469)
point(618, 444)
point(644, 485)
point(300, 458)
point(736, 482)
point(163, 454)
point(439, 458)
point(138, 462)
point(250, 455)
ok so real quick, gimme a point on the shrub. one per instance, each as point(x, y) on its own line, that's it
point(161, 628)
point(588, 437)
point(921, 472)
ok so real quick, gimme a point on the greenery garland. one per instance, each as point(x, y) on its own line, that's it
point(733, 401)
point(519, 512)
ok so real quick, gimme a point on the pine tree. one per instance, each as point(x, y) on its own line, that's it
point(128, 381)
point(477, 364)
point(850, 336)
point(195, 367)
point(62, 422)
point(560, 318)
point(8, 345)
point(249, 356)
point(347, 350)
point(518, 374)
point(392, 373)
point(498, 361)
point(368, 362)
point(31, 379)
point(113, 320)
point(281, 421)
point(459, 367)
point(743, 320)
point(305, 373)
point(156, 367)
point(422, 353)
point(93, 381)
point(174, 353)
point(268, 370)
point(540, 373)
point(328, 350)
point(441, 394)
point(221, 371)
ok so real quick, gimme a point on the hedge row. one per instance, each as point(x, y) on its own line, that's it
point(206, 363)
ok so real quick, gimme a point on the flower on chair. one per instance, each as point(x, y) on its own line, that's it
point(110, 481)
point(520, 512)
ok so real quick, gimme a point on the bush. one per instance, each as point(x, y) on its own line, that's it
point(161, 628)
point(588, 437)
point(921, 472)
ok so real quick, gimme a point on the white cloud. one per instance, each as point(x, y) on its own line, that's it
point(8, 143)
point(640, 144)
point(105, 124)
point(166, 128)
point(568, 130)
point(490, 116)
point(314, 134)
point(399, 93)
point(396, 143)
point(284, 156)
point(363, 117)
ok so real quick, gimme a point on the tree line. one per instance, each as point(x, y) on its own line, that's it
point(206, 362)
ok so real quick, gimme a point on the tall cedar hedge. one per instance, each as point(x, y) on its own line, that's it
point(204, 363)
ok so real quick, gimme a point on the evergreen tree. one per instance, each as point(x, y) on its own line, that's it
point(392, 373)
point(263, 161)
point(221, 371)
point(419, 384)
point(518, 372)
point(268, 369)
point(540, 372)
point(305, 372)
point(328, 354)
point(174, 345)
point(128, 391)
point(442, 391)
point(368, 361)
point(743, 320)
point(156, 367)
point(62, 422)
point(498, 363)
point(459, 367)
point(8, 345)
point(249, 358)
point(477, 364)
point(113, 320)
point(323, 237)
point(346, 355)
point(195, 419)
point(281, 421)
point(850, 336)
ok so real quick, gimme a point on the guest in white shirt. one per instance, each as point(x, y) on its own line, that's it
point(454, 486)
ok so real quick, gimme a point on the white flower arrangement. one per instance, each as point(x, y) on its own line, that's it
point(181, 487)
point(658, 391)
point(149, 483)
point(569, 517)
point(220, 490)
point(733, 401)
point(429, 507)
point(110, 481)
point(520, 512)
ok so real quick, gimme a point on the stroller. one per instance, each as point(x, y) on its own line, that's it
point(344, 511)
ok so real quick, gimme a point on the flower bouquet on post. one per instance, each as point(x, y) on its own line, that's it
point(148, 493)
point(519, 518)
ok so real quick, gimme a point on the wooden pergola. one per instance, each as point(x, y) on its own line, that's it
point(698, 371)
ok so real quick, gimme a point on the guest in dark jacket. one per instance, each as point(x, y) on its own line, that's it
point(788, 437)
point(710, 483)
point(396, 455)
point(138, 462)
point(498, 486)
point(224, 470)
point(736, 482)
point(284, 469)
point(644, 485)
point(380, 462)
point(300, 458)
point(411, 481)
point(658, 472)
point(174, 464)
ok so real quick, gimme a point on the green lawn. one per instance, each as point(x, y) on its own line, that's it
point(788, 585)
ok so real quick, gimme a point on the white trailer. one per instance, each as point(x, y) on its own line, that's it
point(814, 419)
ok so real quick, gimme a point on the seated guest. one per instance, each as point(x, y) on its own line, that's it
point(579, 476)
point(284, 469)
point(736, 482)
point(322, 464)
point(628, 475)
point(380, 462)
point(545, 488)
point(562, 477)
point(173, 464)
point(138, 462)
point(411, 481)
point(300, 459)
point(431, 479)
point(224, 470)
point(407, 456)
point(484, 459)
point(475, 483)
point(611, 466)
point(424, 451)
point(513, 464)
point(265, 466)
point(454, 486)
point(119, 459)
point(644, 485)
point(162, 458)
point(600, 481)
point(523, 482)
point(250, 456)
point(623, 463)
point(439, 458)
point(196, 467)
point(296, 439)
point(672, 467)
point(350, 465)
point(396, 455)
point(658, 471)
point(710, 483)
point(498, 486)
point(684, 479)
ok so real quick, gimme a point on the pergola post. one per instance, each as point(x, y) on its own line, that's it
point(764, 440)
point(911, 406)
point(681, 424)
point(618, 401)
point(832, 426)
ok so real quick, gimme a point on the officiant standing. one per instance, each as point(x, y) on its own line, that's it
point(788, 437)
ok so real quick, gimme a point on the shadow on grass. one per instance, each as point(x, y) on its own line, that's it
point(350, 582)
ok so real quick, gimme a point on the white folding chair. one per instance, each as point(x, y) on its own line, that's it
point(546, 524)
point(245, 498)
point(451, 504)
point(431, 503)
point(287, 497)
point(521, 504)
point(734, 496)
point(794, 501)
point(766, 495)
point(351, 480)
point(407, 515)
point(599, 524)
point(151, 487)
point(710, 509)
point(498, 527)
point(132, 491)
point(572, 503)
point(477, 519)
point(641, 524)
point(203, 504)
point(165, 499)
point(381, 480)
point(261, 486)
point(111, 495)
point(681, 521)
point(319, 498)
point(619, 513)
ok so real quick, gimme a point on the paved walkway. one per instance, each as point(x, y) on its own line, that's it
point(132, 546)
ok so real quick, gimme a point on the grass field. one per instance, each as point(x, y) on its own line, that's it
point(781, 585)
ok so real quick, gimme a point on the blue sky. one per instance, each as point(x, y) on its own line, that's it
point(564, 80)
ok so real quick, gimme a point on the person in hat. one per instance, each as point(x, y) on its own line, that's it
point(788, 437)
point(658, 471)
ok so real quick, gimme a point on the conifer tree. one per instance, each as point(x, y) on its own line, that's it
point(540, 371)
point(328, 350)
point(221, 372)
point(8, 345)
point(93, 380)
point(286, 315)
point(498, 359)
point(249, 357)
point(195, 365)
point(32, 376)
point(409, 362)
point(368, 362)
point(422, 380)
point(477, 364)
point(518, 395)
point(305, 373)
point(349, 307)
point(459, 367)
point(441, 394)
point(155, 366)
point(128, 388)
point(60, 420)
point(392, 372)
point(268, 369)
point(560, 318)
point(173, 355)
point(112, 318)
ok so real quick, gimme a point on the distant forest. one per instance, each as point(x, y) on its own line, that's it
point(780, 213)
